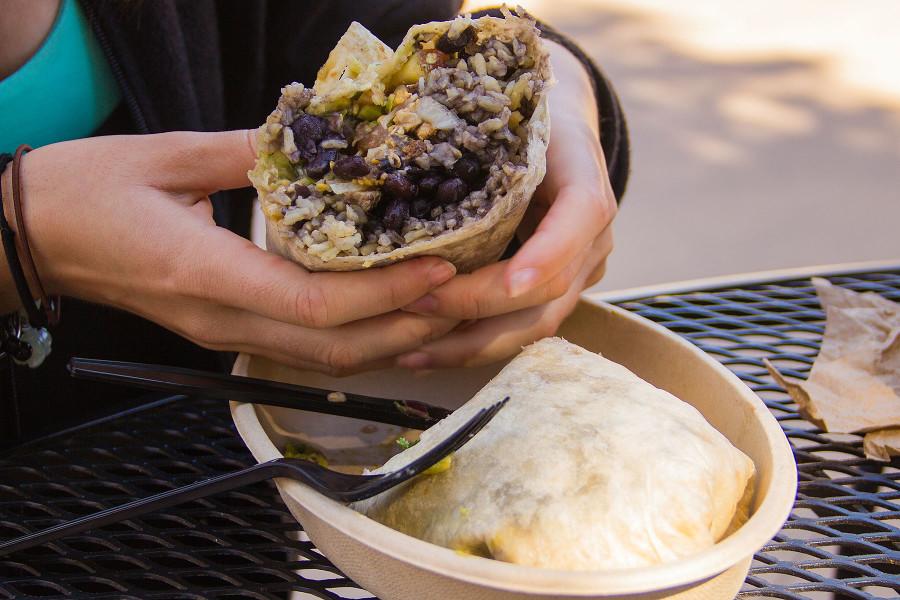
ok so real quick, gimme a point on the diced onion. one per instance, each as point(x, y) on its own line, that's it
point(342, 187)
point(436, 113)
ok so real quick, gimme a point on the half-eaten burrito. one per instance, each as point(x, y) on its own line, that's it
point(435, 149)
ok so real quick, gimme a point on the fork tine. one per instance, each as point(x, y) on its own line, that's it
point(450, 444)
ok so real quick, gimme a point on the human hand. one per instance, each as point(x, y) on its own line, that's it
point(126, 221)
point(568, 232)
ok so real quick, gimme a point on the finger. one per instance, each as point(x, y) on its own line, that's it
point(603, 247)
point(203, 209)
point(482, 294)
point(596, 275)
point(493, 339)
point(578, 202)
point(203, 161)
point(235, 272)
point(305, 365)
point(575, 219)
point(351, 348)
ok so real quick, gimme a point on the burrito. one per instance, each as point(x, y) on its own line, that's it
point(435, 148)
point(587, 467)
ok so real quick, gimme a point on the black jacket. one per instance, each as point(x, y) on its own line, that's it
point(207, 65)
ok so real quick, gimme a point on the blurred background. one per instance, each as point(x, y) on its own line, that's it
point(765, 134)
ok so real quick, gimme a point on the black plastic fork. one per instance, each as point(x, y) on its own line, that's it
point(338, 486)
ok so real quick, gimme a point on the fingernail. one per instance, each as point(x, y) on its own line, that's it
point(440, 273)
point(414, 360)
point(425, 305)
point(522, 281)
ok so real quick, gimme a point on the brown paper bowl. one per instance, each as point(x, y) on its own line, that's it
point(398, 567)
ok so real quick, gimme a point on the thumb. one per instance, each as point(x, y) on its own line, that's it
point(205, 161)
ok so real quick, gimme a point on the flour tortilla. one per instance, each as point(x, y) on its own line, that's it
point(587, 467)
point(361, 62)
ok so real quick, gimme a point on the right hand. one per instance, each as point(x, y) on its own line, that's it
point(126, 221)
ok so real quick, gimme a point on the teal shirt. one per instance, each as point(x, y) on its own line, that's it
point(64, 92)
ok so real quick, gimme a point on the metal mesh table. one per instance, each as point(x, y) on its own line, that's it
point(842, 540)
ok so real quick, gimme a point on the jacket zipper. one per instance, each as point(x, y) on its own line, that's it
point(115, 66)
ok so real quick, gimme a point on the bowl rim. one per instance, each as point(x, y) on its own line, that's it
point(763, 524)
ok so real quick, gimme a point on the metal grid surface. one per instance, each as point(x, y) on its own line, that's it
point(843, 537)
point(842, 540)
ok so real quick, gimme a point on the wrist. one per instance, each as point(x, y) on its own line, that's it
point(25, 223)
point(9, 299)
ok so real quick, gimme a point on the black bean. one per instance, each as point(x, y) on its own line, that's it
point(445, 44)
point(302, 191)
point(421, 208)
point(526, 107)
point(307, 149)
point(428, 185)
point(385, 166)
point(351, 167)
point(415, 173)
point(319, 165)
point(467, 168)
point(395, 214)
point(451, 191)
point(308, 127)
point(398, 186)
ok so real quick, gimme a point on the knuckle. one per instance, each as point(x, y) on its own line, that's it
point(558, 286)
point(604, 204)
point(199, 332)
point(395, 296)
point(610, 208)
point(342, 359)
point(311, 307)
point(597, 274)
point(434, 329)
point(473, 305)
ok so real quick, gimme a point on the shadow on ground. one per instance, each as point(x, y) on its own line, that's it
point(739, 165)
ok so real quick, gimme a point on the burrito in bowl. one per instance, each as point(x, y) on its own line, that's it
point(435, 148)
point(587, 468)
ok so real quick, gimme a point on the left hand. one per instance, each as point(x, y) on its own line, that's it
point(568, 232)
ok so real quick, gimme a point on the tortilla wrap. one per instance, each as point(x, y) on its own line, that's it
point(587, 467)
point(362, 66)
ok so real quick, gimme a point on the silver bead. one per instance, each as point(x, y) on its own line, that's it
point(40, 341)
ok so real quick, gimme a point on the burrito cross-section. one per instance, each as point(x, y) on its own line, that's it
point(435, 148)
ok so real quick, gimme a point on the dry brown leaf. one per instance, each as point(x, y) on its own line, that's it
point(854, 384)
point(882, 445)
